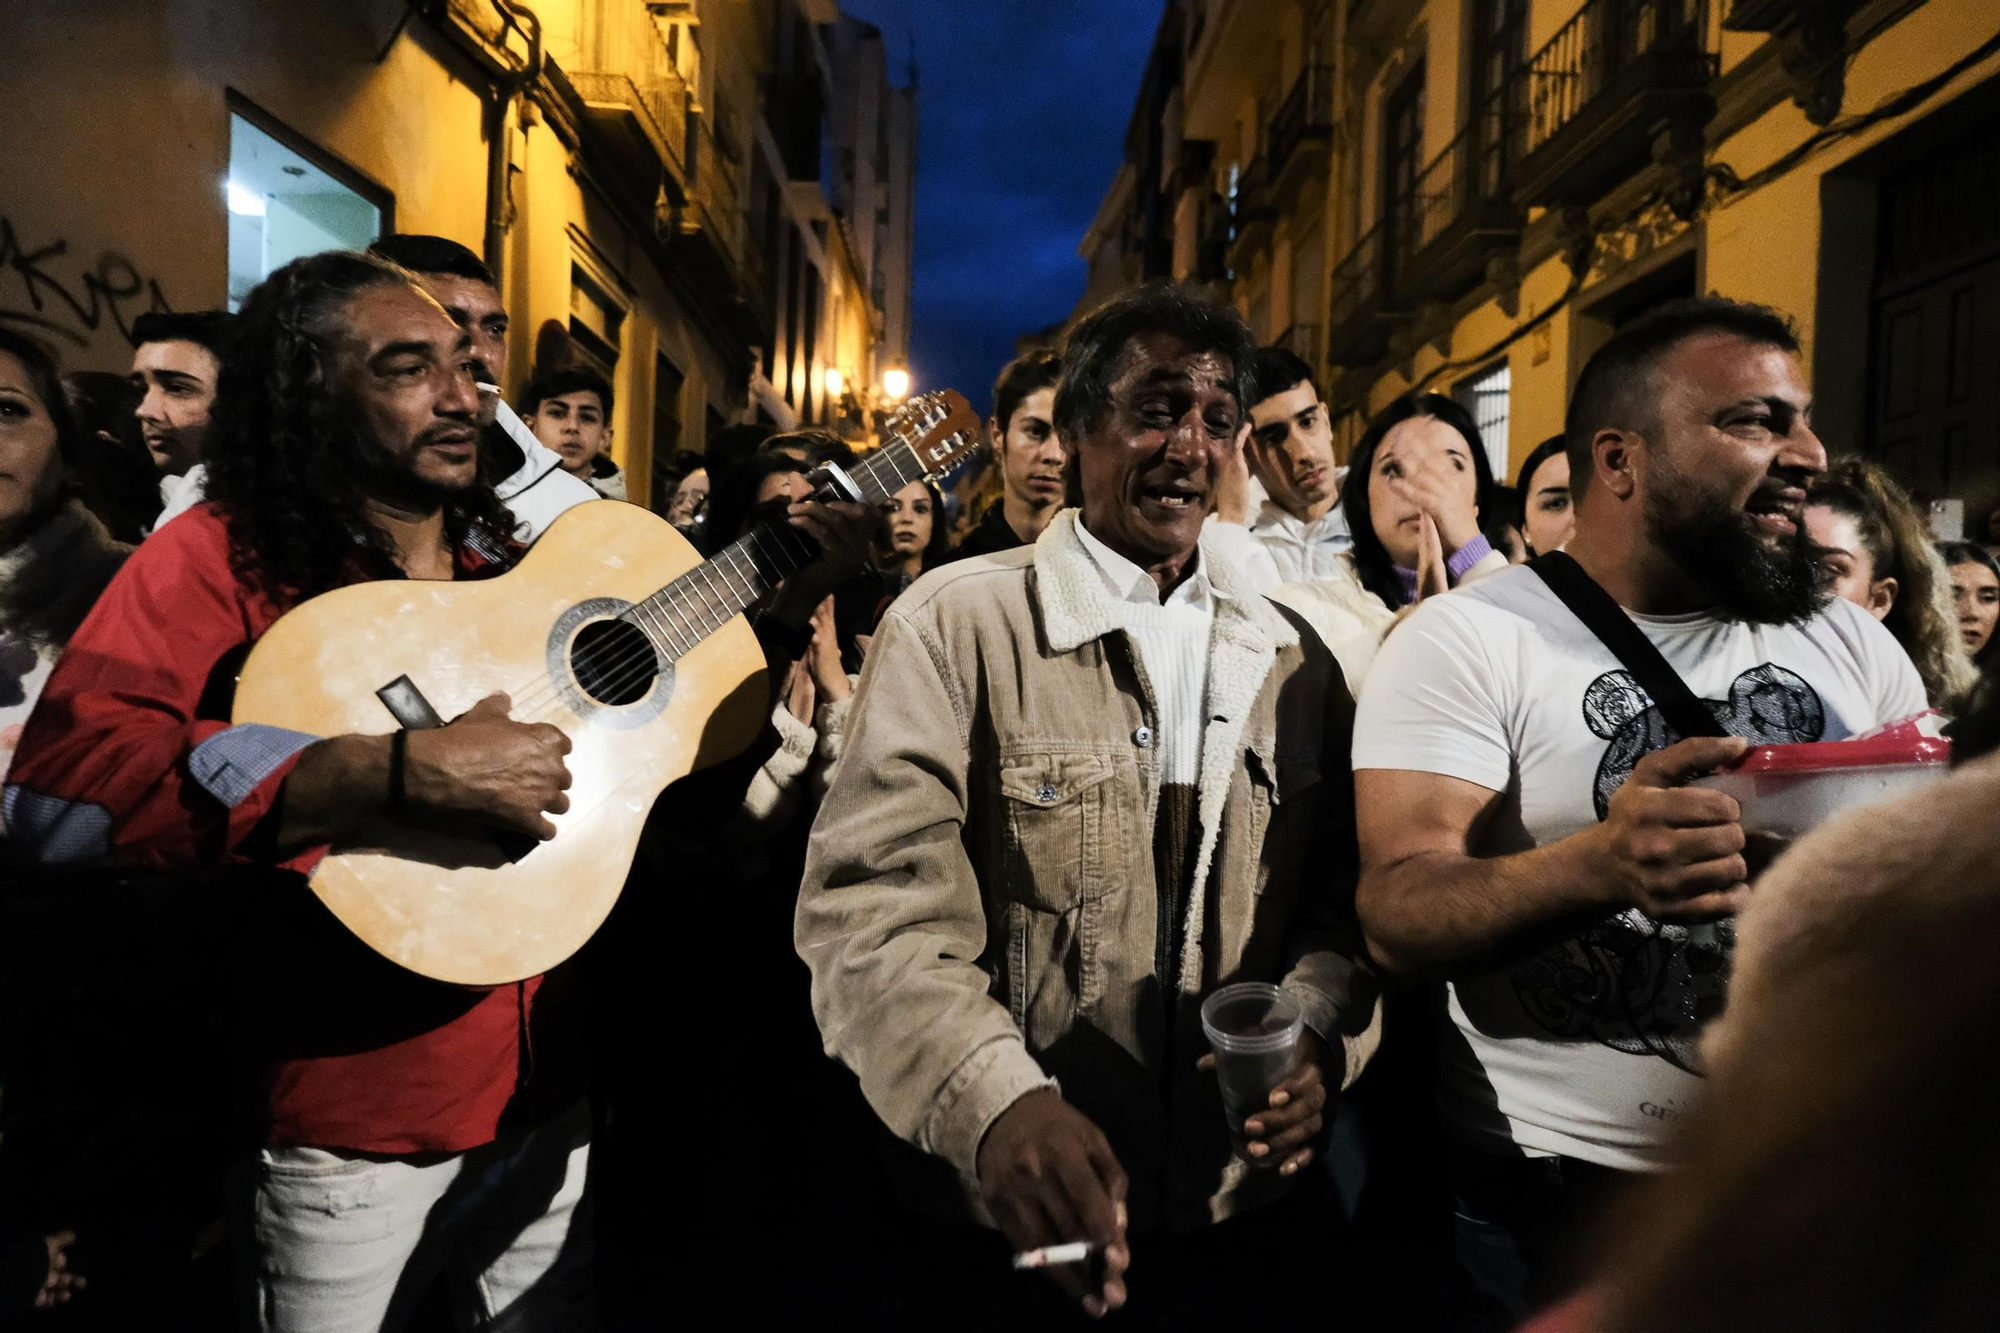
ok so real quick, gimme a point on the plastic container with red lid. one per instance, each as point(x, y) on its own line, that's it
point(1785, 790)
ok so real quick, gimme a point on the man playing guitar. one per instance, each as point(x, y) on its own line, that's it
point(412, 1129)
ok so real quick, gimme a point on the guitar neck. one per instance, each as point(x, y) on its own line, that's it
point(709, 596)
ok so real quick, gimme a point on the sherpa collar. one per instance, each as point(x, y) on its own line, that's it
point(1076, 607)
point(1248, 633)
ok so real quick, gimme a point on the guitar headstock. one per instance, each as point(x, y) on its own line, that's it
point(940, 428)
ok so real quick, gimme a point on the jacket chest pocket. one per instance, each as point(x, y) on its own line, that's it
point(1060, 840)
point(1284, 803)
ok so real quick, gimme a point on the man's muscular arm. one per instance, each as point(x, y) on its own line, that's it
point(1429, 907)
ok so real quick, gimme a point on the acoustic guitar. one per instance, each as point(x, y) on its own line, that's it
point(613, 629)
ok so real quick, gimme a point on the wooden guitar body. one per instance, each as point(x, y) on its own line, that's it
point(461, 905)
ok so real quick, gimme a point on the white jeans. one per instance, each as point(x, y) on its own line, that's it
point(347, 1244)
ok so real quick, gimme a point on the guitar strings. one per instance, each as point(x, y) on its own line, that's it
point(651, 655)
point(544, 700)
point(657, 655)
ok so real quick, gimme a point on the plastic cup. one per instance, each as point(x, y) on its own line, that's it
point(1254, 1029)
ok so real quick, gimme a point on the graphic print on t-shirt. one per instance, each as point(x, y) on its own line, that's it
point(1632, 983)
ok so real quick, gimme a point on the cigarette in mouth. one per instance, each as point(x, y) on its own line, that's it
point(1075, 1252)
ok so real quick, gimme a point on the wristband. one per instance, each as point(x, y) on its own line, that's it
point(399, 797)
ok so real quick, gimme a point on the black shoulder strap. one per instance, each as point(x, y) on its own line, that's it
point(1615, 630)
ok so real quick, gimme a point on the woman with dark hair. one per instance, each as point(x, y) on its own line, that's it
point(55, 555)
point(813, 698)
point(1426, 482)
point(1975, 589)
point(1417, 484)
point(914, 535)
point(1874, 546)
point(1542, 492)
point(754, 489)
point(55, 558)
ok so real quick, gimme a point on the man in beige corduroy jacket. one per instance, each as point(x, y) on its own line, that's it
point(1087, 782)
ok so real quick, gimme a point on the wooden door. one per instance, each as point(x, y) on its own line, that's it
point(1935, 357)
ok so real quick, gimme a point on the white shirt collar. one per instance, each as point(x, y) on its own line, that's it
point(1330, 526)
point(1129, 583)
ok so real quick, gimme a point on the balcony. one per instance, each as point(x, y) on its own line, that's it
point(1301, 132)
point(635, 103)
point(1252, 213)
point(1364, 308)
point(710, 236)
point(1461, 211)
point(1604, 88)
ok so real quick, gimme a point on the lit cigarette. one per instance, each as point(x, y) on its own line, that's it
point(1075, 1252)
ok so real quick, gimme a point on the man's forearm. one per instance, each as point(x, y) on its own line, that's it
point(336, 785)
point(1442, 913)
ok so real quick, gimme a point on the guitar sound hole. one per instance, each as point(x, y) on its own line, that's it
point(613, 661)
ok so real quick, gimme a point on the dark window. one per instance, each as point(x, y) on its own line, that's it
point(595, 323)
point(1402, 159)
point(1499, 46)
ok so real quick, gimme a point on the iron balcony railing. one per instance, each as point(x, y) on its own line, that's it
point(1306, 112)
point(715, 198)
point(1359, 280)
point(1475, 168)
point(623, 61)
point(1606, 41)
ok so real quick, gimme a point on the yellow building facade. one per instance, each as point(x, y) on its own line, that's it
point(647, 207)
point(1468, 197)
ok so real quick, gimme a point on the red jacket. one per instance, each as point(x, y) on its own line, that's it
point(130, 758)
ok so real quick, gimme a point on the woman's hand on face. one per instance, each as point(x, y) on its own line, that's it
point(1446, 495)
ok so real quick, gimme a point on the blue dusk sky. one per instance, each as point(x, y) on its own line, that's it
point(1021, 126)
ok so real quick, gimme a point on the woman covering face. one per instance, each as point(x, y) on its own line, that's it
point(1427, 485)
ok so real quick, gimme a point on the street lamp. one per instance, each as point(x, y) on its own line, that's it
point(896, 384)
point(836, 383)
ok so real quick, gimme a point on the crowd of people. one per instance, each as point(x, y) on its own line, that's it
point(1190, 701)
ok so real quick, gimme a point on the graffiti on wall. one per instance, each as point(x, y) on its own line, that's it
point(47, 291)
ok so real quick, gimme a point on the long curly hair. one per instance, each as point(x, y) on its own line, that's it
point(1899, 546)
point(286, 458)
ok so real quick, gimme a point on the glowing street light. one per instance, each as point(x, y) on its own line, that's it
point(836, 383)
point(896, 383)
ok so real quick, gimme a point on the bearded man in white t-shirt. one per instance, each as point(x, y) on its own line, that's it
point(1527, 830)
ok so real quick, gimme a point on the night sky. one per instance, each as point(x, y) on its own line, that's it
point(1021, 126)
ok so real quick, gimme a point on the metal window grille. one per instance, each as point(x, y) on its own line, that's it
point(1485, 396)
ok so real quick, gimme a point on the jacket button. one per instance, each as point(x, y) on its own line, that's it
point(1047, 793)
point(1143, 737)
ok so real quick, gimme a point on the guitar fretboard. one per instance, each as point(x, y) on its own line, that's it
point(698, 603)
